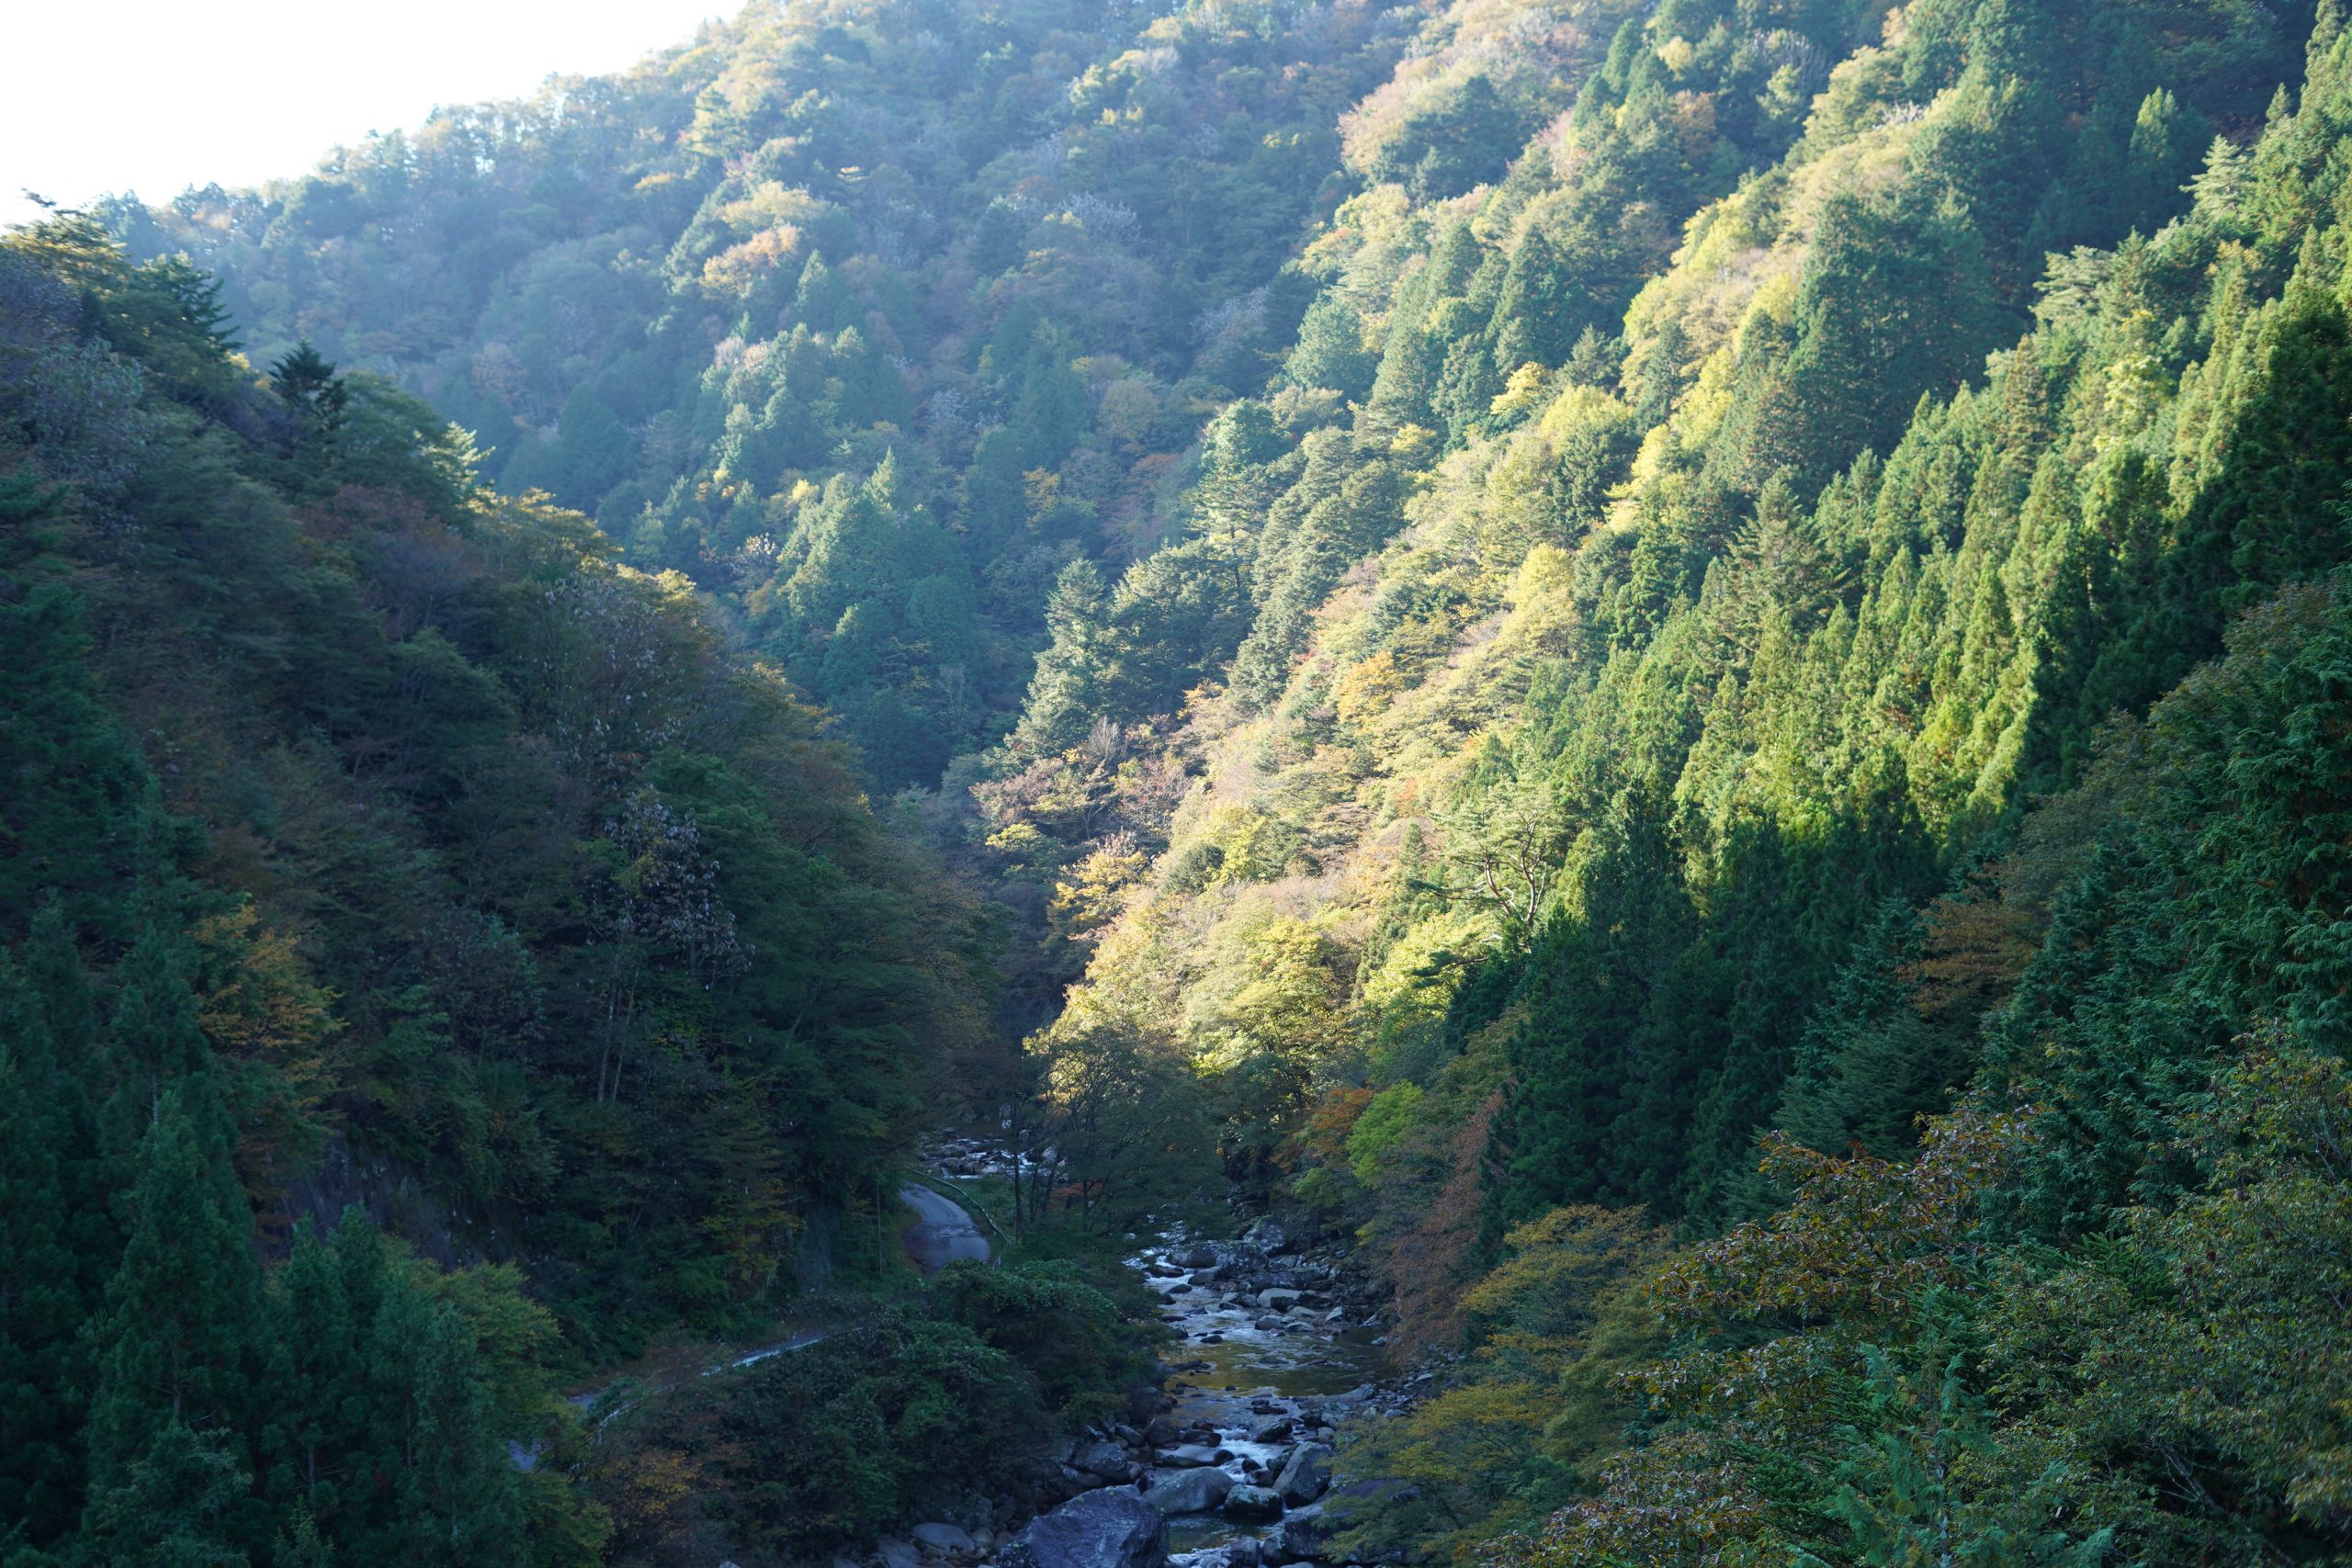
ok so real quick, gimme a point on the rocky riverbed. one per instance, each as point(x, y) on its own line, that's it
point(1229, 1462)
point(1280, 1346)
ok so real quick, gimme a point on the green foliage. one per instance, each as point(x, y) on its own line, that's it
point(1723, 739)
point(819, 1448)
point(1499, 600)
point(1065, 1334)
point(442, 845)
point(2195, 1339)
point(1551, 1329)
point(842, 201)
point(173, 1345)
point(40, 1310)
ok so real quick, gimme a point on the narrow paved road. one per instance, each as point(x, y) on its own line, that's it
point(944, 1234)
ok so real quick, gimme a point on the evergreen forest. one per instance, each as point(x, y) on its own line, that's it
point(1679, 672)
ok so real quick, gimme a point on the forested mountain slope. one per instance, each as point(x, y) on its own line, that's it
point(1682, 665)
point(358, 822)
point(1614, 660)
point(1704, 732)
point(874, 315)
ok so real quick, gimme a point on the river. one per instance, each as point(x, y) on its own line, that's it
point(1259, 1379)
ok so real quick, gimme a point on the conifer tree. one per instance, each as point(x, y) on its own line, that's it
point(1065, 691)
point(173, 1344)
point(1330, 350)
point(40, 1309)
point(58, 1035)
point(154, 1044)
point(306, 383)
point(821, 301)
point(1050, 410)
point(1536, 321)
point(459, 1495)
point(317, 1386)
point(175, 1504)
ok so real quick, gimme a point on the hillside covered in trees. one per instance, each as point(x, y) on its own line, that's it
point(1684, 667)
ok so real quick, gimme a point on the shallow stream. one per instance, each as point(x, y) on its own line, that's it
point(1237, 1378)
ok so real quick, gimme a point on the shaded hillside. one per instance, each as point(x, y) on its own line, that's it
point(347, 804)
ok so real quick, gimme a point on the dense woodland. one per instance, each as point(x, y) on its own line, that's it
point(1686, 666)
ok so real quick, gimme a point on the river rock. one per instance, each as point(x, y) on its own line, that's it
point(944, 1539)
point(1273, 1431)
point(1267, 1237)
point(1189, 1492)
point(1195, 1258)
point(1300, 1537)
point(1097, 1529)
point(1106, 1459)
point(1278, 1299)
point(1185, 1456)
point(1253, 1504)
point(897, 1554)
point(1305, 1474)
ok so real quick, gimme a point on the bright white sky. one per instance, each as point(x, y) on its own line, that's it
point(154, 95)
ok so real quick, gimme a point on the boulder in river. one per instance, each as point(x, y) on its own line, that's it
point(1189, 1492)
point(1253, 1504)
point(1307, 1475)
point(1097, 1529)
point(1187, 1455)
point(1301, 1537)
point(1267, 1237)
point(1106, 1459)
point(1278, 1299)
point(946, 1540)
